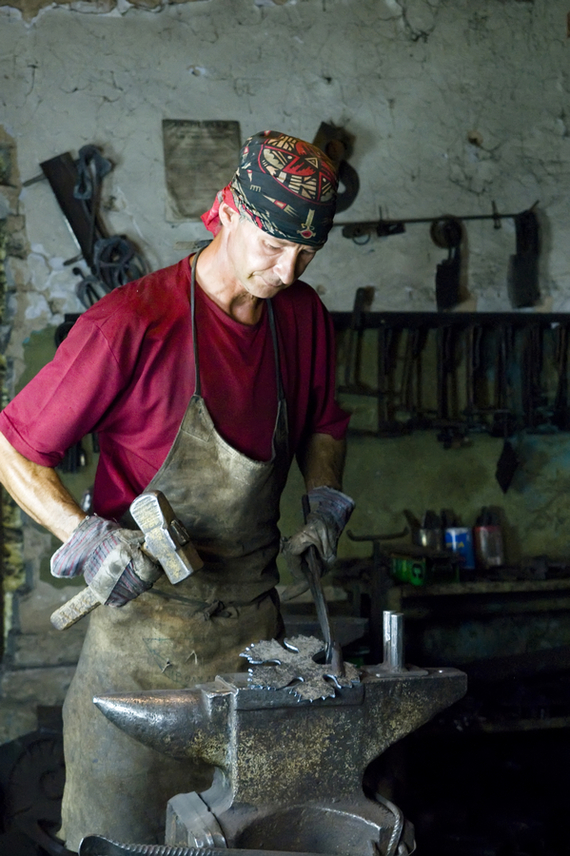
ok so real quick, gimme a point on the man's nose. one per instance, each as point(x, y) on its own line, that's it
point(286, 266)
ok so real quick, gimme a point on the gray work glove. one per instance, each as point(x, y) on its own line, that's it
point(329, 512)
point(109, 557)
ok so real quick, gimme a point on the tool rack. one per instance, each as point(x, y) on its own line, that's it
point(457, 373)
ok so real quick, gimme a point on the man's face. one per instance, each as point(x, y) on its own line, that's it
point(261, 264)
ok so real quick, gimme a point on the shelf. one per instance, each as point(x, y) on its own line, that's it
point(483, 587)
point(458, 601)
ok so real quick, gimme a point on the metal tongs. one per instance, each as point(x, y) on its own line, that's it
point(313, 569)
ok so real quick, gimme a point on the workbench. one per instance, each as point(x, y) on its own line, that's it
point(511, 637)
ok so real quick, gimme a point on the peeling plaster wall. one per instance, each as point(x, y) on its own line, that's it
point(454, 104)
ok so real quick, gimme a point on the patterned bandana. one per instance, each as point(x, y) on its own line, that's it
point(285, 186)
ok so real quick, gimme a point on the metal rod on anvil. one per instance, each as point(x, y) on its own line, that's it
point(393, 631)
point(386, 615)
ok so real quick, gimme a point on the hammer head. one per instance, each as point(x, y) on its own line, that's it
point(166, 539)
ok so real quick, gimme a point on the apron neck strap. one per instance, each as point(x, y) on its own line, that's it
point(273, 328)
point(198, 390)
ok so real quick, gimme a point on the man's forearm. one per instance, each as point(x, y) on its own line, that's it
point(39, 492)
point(322, 461)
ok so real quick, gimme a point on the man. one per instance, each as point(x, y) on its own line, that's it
point(202, 380)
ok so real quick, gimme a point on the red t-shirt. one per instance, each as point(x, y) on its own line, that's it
point(126, 371)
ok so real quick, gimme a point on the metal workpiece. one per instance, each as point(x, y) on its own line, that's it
point(292, 666)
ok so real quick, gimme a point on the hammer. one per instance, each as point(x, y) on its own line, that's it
point(166, 541)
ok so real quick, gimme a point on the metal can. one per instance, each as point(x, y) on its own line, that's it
point(459, 539)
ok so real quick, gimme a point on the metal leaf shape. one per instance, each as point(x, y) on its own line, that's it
point(291, 666)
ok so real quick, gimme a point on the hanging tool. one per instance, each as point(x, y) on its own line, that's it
point(534, 399)
point(338, 144)
point(470, 372)
point(523, 266)
point(506, 466)
point(504, 421)
point(412, 396)
point(389, 338)
point(447, 233)
point(446, 380)
point(362, 302)
point(62, 172)
point(76, 184)
point(166, 541)
point(561, 411)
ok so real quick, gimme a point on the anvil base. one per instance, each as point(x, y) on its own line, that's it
point(360, 826)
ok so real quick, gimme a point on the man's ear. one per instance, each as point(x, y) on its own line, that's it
point(227, 214)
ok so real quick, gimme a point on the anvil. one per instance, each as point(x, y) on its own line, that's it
point(289, 773)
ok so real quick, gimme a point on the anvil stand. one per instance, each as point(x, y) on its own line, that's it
point(288, 772)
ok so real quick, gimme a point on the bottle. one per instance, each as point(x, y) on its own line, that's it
point(488, 538)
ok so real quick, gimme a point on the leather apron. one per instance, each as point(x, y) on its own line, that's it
point(177, 636)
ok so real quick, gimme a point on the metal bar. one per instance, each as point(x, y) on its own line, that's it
point(394, 220)
point(386, 618)
point(458, 320)
point(393, 639)
point(357, 227)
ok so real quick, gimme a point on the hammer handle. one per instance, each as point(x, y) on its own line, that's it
point(75, 608)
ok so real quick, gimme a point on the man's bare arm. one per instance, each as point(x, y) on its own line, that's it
point(322, 461)
point(39, 492)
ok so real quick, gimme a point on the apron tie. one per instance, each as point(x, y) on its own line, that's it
point(215, 608)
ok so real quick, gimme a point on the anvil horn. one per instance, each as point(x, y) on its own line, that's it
point(175, 722)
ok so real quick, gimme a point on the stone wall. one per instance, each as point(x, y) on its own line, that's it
point(37, 664)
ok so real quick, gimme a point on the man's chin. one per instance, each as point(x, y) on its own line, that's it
point(266, 289)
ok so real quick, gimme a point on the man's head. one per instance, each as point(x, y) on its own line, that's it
point(284, 186)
